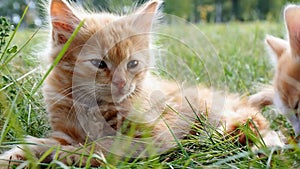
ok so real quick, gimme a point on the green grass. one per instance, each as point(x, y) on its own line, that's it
point(241, 64)
point(242, 51)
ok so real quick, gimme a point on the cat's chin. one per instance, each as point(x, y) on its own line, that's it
point(116, 98)
point(119, 98)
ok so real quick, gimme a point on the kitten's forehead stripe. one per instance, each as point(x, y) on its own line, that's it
point(122, 50)
point(119, 52)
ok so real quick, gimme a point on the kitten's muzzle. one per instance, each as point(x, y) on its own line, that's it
point(119, 83)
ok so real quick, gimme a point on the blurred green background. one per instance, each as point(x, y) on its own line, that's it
point(192, 10)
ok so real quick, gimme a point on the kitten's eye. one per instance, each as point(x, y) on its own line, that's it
point(99, 63)
point(132, 64)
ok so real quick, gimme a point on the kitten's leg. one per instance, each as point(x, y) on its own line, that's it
point(12, 157)
point(247, 115)
point(262, 98)
point(36, 147)
point(17, 155)
point(77, 156)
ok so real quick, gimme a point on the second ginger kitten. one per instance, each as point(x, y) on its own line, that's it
point(285, 92)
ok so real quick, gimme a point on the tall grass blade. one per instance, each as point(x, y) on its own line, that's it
point(13, 35)
point(59, 56)
point(23, 46)
point(176, 140)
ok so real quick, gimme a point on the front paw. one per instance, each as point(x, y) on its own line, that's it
point(274, 139)
point(13, 157)
point(76, 156)
point(262, 98)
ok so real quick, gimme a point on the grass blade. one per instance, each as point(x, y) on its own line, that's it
point(176, 140)
point(232, 158)
point(14, 33)
point(23, 46)
point(59, 56)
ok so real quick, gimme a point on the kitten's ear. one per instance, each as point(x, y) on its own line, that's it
point(63, 20)
point(146, 15)
point(291, 16)
point(277, 45)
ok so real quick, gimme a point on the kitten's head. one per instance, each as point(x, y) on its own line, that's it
point(109, 57)
point(287, 59)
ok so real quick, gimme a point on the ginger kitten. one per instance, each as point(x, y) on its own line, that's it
point(102, 98)
point(285, 93)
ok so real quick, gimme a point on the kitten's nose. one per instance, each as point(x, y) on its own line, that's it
point(119, 83)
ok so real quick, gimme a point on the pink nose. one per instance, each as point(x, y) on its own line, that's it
point(119, 83)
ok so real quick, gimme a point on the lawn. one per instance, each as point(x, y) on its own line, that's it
point(230, 57)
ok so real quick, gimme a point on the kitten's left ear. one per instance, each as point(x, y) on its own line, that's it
point(291, 16)
point(63, 20)
point(146, 15)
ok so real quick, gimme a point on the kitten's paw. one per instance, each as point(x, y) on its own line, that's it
point(247, 127)
point(274, 139)
point(262, 98)
point(13, 157)
point(76, 156)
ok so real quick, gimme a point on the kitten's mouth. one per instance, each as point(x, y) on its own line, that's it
point(120, 94)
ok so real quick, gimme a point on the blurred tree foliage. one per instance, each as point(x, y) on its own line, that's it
point(192, 10)
point(12, 8)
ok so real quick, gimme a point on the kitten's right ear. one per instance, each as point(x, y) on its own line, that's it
point(146, 15)
point(63, 20)
point(291, 16)
point(277, 45)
